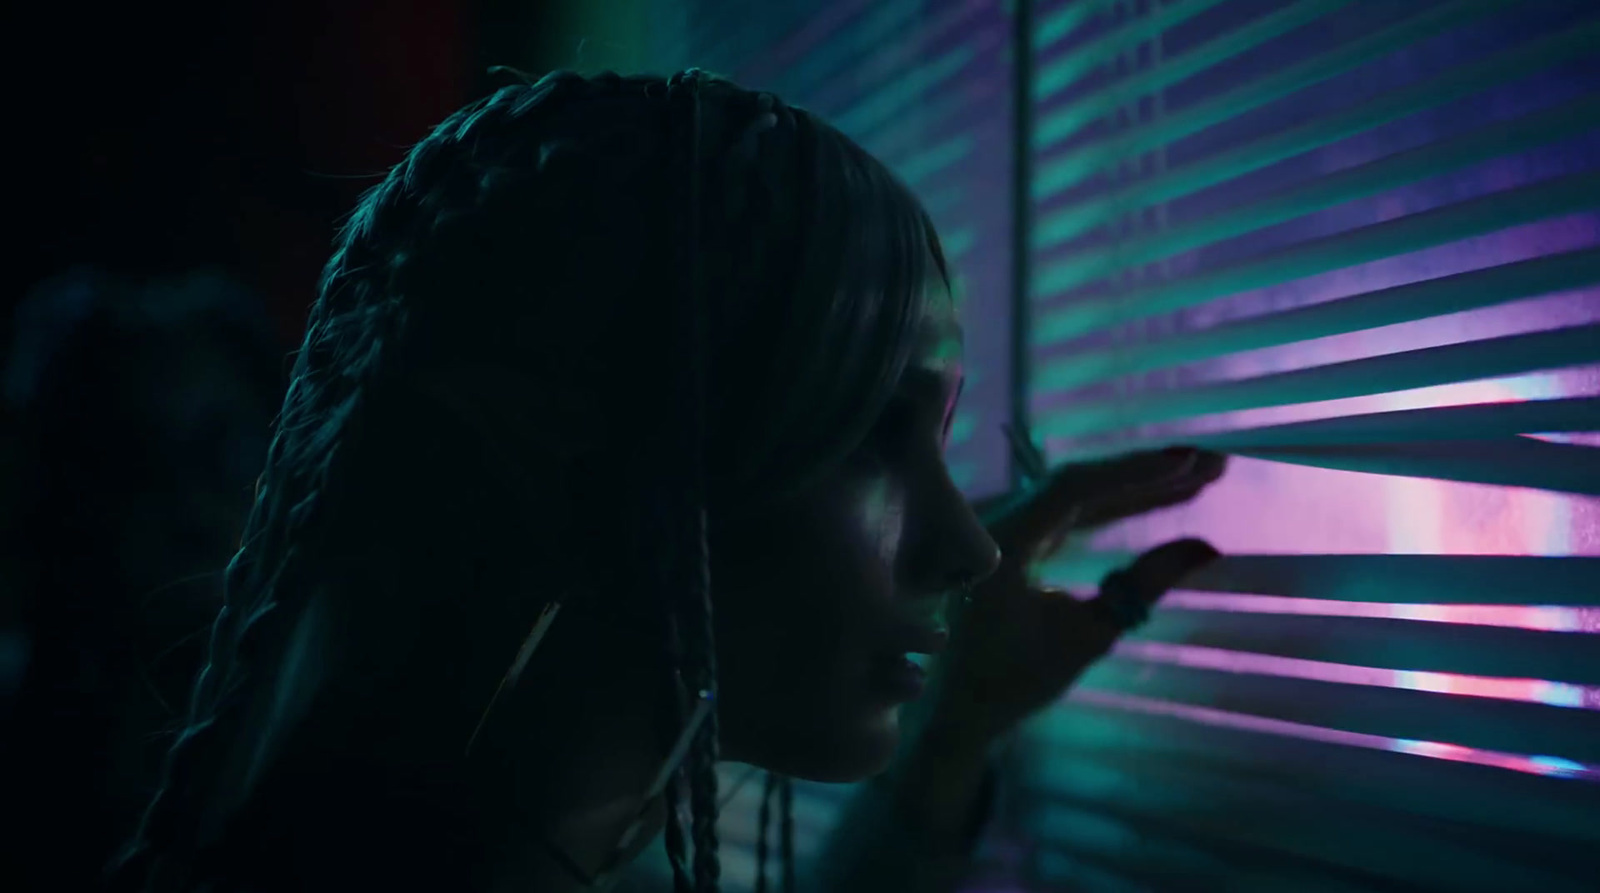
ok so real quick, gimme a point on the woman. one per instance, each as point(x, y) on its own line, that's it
point(601, 356)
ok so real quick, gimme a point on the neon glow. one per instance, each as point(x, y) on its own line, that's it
point(1543, 618)
point(1555, 767)
point(1533, 691)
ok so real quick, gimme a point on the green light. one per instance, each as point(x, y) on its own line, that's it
point(858, 39)
point(1487, 143)
point(1469, 361)
point(925, 164)
point(1072, 66)
point(895, 97)
point(1501, 210)
point(1403, 303)
point(1076, 166)
point(1068, 20)
point(1445, 87)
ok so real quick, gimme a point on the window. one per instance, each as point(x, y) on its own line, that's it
point(1356, 245)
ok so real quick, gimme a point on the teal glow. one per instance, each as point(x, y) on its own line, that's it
point(1076, 166)
point(894, 98)
point(1532, 691)
point(1534, 765)
point(853, 42)
point(936, 158)
point(1465, 80)
point(1072, 66)
point(958, 242)
point(965, 422)
point(1063, 22)
point(1385, 174)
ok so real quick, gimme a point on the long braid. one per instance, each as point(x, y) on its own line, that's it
point(762, 823)
point(350, 338)
point(786, 833)
point(677, 850)
point(700, 657)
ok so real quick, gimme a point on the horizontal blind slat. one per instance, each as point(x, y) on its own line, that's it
point(1061, 24)
point(1401, 303)
point(1414, 232)
point(1162, 803)
point(1512, 462)
point(1473, 77)
point(1501, 689)
point(854, 41)
point(1483, 723)
point(1136, 732)
point(1065, 68)
point(1402, 644)
point(1443, 423)
point(1078, 165)
point(1426, 367)
point(1412, 579)
point(1066, 121)
point(1468, 422)
point(1495, 140)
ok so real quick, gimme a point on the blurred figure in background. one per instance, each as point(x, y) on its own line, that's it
point(140, 412)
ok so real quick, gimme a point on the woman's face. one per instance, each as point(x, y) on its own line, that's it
point(820, 599)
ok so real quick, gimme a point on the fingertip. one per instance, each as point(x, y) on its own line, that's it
point(1210, 464)
point(1193, 464)
point(1201, 550)
point(1179, 461)
point(1182, 556)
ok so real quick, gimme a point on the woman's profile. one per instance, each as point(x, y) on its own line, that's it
point(614, 450)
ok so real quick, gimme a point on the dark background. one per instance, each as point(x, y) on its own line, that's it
point(150, 139)
point(183, 148)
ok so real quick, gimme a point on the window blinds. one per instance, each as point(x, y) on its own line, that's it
point(1356, 245)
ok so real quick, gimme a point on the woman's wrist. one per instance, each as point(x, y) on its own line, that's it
point(940, 782)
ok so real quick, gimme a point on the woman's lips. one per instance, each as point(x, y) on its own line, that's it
point(898, 679)
point(895, 675)
point(918, 637)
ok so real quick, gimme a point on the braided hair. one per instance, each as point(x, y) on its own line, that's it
point(783, 787)
point(328, 592)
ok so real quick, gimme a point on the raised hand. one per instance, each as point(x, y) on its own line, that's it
point(1016, 647)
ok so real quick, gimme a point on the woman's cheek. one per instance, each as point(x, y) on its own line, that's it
point(881, 507)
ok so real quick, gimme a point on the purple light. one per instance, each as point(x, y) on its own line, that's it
point(1534, 765)
point(1543, 618)
point(1533, 691)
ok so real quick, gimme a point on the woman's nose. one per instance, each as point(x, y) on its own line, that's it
point(952, 548)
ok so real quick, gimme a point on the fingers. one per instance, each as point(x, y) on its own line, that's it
point(1137, 501)
point(1096, 492)
point(1126, 596)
